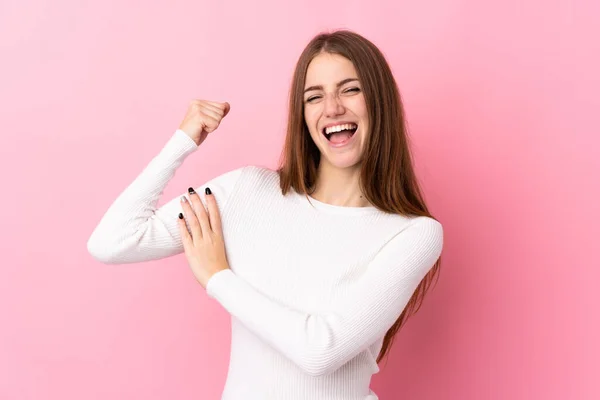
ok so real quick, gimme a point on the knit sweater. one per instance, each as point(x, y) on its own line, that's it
point(312, 287)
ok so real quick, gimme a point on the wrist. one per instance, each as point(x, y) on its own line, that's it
point(205, 283)
point(211, 276)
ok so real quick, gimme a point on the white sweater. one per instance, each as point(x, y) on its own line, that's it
point(312, 288)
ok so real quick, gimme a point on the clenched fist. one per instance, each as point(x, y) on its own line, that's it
point(202, 118)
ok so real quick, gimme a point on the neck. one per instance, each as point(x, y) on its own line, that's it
point(339, 186)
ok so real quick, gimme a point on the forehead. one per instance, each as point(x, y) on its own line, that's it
point(328, 68)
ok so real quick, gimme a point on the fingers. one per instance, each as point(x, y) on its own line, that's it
point(213, 212)
point(226, 110)
point(218, 108)
point(200, 211)
point(201, 221)
point(213, 113)
point(190, 217)
point(186, 238)
point(221, 108)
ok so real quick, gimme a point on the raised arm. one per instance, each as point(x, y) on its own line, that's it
point(134, 229)
point(320, 343)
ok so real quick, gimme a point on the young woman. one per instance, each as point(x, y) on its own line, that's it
point(319, 262)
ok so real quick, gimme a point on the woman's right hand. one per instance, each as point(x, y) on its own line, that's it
point(202, 118)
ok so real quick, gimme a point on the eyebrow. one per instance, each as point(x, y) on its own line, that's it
point(320, 87)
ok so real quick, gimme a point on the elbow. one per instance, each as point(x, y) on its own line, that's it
point(318, 370)
point(99, 249)
point(323, 353)
point(319, 365)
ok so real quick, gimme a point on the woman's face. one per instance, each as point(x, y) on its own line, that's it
point(335, 110)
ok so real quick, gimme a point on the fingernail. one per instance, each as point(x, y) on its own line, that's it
point(180, 216)
point(191, 190)
point(183, 199)
point(207, 191)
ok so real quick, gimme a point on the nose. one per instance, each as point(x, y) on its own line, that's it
point(333, 105)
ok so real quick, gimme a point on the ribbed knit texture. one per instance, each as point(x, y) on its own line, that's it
point(312, 288)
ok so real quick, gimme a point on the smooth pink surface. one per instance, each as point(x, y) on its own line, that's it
point(502, 99)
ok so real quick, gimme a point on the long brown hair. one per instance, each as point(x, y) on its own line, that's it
point(387, 178)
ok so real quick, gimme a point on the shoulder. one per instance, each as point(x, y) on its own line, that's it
point(426, 223)
point(415, 224)
point(259, 176)
point(246, 179)
point(246, 172)
point(420, 232)
point(259, 170)
point(429, 231)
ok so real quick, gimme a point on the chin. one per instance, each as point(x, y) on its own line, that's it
point(341, 162)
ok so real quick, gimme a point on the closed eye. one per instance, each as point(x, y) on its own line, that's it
point(350, 90)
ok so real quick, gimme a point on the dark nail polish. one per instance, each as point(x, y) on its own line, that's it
point(180, 216)
point(191, 190)
point(207, 191)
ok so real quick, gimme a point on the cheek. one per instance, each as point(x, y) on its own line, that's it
point(361, 107)
point(362, 113)
point(311, 118)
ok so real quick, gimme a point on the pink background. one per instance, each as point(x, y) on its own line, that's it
point(502, 102)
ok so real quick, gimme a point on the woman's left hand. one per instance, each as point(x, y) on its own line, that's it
point(204, 246)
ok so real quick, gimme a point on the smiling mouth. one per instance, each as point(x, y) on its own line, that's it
point(339, 133)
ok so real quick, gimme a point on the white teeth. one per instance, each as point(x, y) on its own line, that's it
point(338, 128)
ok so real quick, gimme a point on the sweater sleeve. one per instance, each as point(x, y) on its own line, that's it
point(320, 343)
point(133, 229)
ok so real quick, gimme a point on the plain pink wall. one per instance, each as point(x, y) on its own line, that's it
point(502, 102)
